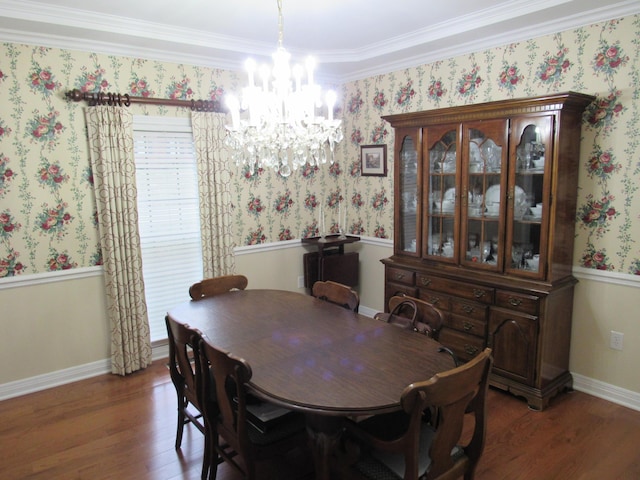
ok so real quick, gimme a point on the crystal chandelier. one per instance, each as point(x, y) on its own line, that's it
point(280, 127)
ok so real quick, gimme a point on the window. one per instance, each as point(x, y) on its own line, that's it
point(168, 216)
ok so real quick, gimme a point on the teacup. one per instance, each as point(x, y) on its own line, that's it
point(534, 262)
point(536, 211)
point(538, 162)
point(475, 210)
point(475, 167)
point(493, 209)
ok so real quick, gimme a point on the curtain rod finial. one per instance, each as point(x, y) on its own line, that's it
point(74, 95)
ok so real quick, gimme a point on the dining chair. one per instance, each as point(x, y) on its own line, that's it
point(337, 293)
point(217, 285)
point(418, 315)
point(426, 318)
point(183, 346)
point(402, 445)
point(254, 432)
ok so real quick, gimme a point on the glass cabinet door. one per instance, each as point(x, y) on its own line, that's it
point(483, 194)
point(408, 199)
point(441, 164)
point(528, 195)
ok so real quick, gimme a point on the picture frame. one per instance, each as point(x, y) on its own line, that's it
point(373, 160)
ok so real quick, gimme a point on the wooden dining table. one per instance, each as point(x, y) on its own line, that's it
point(315, 357)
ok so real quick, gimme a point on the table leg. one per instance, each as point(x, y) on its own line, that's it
point(324, 432)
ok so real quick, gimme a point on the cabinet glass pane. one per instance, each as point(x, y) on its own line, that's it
point(527, 196)
point(409, 194)
point(442, 196)
point(485, 199)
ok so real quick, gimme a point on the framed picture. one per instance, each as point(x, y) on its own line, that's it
point(373, 160)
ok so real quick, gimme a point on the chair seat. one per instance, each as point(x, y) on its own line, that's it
point(383, 465)
point(386, 426)
point(281, 428)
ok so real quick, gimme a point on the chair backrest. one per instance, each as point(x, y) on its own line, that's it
point(453, 394)
point(183, 348)
point(217, 285)
point(429, 319)
point(226, 375)
point(337, 293)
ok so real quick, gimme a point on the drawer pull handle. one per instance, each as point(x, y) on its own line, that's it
point(399, 276)
point(467, 326)
point(468, 309)
point(478, 293)
point(434, 300)
point(425, 281)
point(515, 302)
point(470, 350)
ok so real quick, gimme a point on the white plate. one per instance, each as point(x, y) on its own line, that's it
point(520, 204)
point(492, 195)
point(450, 194)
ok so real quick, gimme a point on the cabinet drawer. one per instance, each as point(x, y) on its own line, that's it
point(398, 275)
point(471, 310)
point(458, 289)
point(437, 299)
point(393, 289)
point(464, 346)
point(518, 301)
point(468, 317)
point(468, 325)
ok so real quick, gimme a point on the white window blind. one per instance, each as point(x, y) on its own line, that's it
point(168, 218)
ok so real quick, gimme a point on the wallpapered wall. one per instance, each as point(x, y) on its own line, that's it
point(47, 212)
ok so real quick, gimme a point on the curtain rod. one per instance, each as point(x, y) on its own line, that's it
point(126, 100)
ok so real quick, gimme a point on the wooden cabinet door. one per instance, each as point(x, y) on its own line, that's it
point(441, 189)
point(483, 195)
point(513, 337)
point(529, 191)
point(408, 199)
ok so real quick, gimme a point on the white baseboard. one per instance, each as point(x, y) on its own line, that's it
point(54, 379)
point(369, 312)
point(611, 393)
point(68, 375)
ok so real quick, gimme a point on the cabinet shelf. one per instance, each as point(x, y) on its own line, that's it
point(505, 267)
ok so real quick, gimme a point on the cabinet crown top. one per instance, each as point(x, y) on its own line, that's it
point(547, 103)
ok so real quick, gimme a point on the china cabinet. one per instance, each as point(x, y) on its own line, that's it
point(485, 204)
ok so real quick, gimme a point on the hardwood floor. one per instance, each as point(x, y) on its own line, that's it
point(111, 427)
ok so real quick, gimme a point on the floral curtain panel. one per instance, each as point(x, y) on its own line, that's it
point(214, 185)
point(110, 132)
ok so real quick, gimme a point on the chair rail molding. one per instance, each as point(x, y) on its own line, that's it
point(614, 278)
point(49, 277)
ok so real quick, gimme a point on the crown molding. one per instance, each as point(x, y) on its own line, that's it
point(140, 39)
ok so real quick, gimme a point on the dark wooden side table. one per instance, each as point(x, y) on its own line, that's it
point(330, 262)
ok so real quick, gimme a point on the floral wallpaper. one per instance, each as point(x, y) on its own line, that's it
point(47, 210)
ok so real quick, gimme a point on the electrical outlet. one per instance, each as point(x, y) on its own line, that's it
point(301, 281)
point(616, 340)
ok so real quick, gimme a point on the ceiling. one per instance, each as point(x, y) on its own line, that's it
point(350, 39)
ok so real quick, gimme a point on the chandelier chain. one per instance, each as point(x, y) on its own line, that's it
point(280, 25)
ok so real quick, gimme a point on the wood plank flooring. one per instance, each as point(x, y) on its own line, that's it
point(110, 427)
